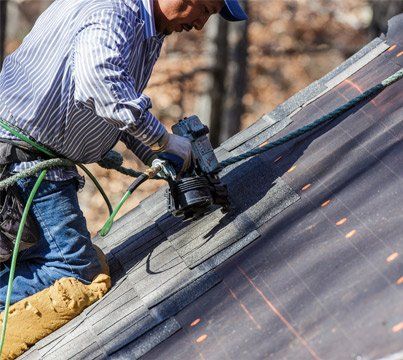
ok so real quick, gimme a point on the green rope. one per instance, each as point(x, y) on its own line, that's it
point(14, 257)
point(47, 164)
point(393, 78)
point(315, 124)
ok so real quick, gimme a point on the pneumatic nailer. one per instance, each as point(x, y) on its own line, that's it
point(192, 194)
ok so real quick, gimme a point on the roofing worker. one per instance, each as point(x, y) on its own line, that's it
point(75, 86)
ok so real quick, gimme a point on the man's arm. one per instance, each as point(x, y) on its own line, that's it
point(143, 152)
point(103, 84)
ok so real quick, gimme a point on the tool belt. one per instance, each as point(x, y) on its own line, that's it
point(11, 203)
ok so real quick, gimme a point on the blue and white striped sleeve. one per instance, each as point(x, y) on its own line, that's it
point(142, 151)
point(102, 50)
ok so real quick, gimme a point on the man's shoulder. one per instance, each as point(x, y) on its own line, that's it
point(127, 11)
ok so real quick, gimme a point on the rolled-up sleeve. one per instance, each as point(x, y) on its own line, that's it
point(104, 46)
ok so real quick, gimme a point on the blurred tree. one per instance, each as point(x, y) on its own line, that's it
point(3, 21)
point(211, 102)
point(382, 11)
point(220, 105)
point(236, 82)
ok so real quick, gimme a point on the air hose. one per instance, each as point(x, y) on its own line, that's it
point(153, 171)
point(148, 174)
point(14, 257)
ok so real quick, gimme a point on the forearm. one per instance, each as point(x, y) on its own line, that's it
point(139, 149)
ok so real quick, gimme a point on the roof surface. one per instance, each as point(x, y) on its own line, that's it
point(307, 265)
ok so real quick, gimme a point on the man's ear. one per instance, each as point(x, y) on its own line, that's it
point(184, 4)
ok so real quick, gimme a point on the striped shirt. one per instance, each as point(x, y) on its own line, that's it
point(75, 84)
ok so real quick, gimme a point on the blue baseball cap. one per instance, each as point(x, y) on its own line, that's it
point(232, 11)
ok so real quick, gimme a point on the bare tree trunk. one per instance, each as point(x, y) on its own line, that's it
point(236, 83)
point(210, 105)
point(3, 21)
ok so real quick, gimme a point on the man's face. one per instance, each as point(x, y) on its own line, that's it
point(179, 15)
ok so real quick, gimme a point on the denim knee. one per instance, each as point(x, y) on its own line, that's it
point(65, 247)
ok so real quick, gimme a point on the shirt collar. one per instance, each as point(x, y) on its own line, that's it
point(146, 8)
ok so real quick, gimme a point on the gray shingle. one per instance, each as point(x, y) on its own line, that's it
point(146, 342)
point(168, 222)
point(126, 304)
point(162, 276)
point(115, 268)
point(77, 335)
point(32, 353)
point(256, 128)
point(219, 258)
point(117, 337)
point(179, 300)
point(263, 137)
point(260, 195)
point(118, 290)
point(122, 228)
point(156, 204)
point(134, 252)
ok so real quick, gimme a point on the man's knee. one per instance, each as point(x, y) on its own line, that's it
point(88, 265)
point(49, 309)
point(32, 277)
point(65, 245)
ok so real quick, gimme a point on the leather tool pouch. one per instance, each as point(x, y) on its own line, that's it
point(12, 207)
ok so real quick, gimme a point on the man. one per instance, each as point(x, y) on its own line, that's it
point(75, 85)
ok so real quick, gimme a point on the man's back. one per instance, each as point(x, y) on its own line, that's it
point(48, 86)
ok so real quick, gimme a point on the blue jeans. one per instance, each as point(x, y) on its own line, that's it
point(64, 248)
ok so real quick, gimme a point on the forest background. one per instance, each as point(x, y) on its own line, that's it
point(228, 74)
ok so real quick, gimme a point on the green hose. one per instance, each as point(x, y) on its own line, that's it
point(99, 187)
point(25, 138)
point(108, 224)
point(15, 253)
point(141, 179)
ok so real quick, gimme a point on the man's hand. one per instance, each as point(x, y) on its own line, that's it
point(175, 149)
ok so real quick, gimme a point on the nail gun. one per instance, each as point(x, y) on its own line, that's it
point(192, 194)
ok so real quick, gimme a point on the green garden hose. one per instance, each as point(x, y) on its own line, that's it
point(15, 253)
point(108, 224)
